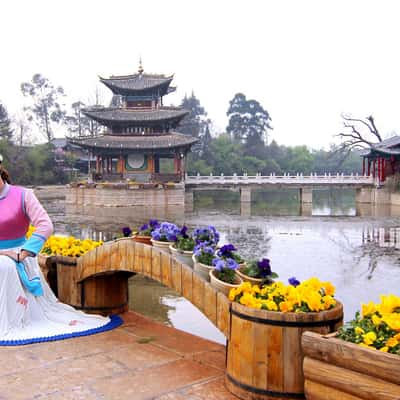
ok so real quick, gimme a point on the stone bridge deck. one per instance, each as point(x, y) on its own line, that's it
point(140, 360)
point(198, 182)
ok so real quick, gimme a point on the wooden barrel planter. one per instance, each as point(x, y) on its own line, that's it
point(336, 369)
point(103, 293)
point(264, 355)
point(48, 267)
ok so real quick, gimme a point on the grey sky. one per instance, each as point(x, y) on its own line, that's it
point(304, 61)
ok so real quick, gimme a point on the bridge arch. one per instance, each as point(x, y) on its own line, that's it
point(121, 258)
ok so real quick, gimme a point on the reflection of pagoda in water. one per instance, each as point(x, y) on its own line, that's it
point(140, 141)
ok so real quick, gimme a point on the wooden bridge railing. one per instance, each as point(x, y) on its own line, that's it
point(98, 281)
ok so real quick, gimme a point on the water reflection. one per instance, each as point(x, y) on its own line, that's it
point(358, 249)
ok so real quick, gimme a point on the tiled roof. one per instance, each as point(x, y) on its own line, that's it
point(112, 114)
point(137, 83)
point(391, 142)
point(145, 142)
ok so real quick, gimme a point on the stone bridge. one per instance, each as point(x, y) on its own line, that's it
point(305, 184)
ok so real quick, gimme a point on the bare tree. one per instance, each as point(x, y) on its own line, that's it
point(359, 133)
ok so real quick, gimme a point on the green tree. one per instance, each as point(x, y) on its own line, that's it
point(46, 107)
point(248, 122)
point(5, 124)
point(78, 124)
point(196, 121)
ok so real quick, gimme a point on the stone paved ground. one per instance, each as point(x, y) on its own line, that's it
point(140, 360)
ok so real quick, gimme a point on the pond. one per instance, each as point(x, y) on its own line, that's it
point(356, 248)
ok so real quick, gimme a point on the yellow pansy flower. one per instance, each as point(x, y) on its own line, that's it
point(369, 338)
point(391, 342)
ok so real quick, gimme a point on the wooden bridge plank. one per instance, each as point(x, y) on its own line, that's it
point(138, 258)
point(155, 272)
point(198, 292)
point(187, 282)
point(86, 265)
point(146, 260)
point(130, 256)
point(210, 303)
point(115, 256)
point(176, 275)
point(223, 314)
point(123, 248)
point(103, 260)
point(166, 272)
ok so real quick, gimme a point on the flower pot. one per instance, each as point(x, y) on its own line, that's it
point(142, 239)
point(164, 246)
point(202, 269)
point(246, 278)
point(222, 286)
point(346, 370)
point(183, 256)
point(268, 343)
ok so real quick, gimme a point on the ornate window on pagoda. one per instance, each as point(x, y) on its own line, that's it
point(136, 162)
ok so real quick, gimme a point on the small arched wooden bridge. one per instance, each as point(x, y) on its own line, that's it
point(98, 280)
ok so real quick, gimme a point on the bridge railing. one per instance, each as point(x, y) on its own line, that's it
point(284, 179)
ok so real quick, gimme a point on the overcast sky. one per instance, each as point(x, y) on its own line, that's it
point(306, 62)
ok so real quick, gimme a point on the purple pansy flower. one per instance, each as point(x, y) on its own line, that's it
point(265, 267)
point(293, 281)
point(126, 231)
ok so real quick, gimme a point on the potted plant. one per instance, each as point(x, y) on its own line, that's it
point(230, 251)
point(183, 247)
point(365, 350)
point(266, 327)
point(203, 255)
point(144, 234)
point(164, 235)
point(206, 234)
point(257, 272)
point(223, 276)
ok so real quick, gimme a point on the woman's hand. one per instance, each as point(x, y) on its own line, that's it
point(16, 256)
point(9, 253)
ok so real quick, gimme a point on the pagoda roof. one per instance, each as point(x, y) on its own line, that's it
point(137, 83)
point(124, 116)
point(385, 147)
point(169, 140)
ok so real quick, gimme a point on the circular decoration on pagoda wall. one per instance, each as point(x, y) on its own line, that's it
point(135, 161)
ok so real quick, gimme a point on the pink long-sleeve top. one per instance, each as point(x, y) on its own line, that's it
point(19, 207)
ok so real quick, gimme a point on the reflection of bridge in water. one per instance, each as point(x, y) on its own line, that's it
point(305, 184)
point(384, 237)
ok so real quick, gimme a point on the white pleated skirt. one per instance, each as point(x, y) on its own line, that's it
point(25, 318)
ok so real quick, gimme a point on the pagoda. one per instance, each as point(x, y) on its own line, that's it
point(139, 142)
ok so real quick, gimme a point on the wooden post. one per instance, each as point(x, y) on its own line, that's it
point(97, 164)
point(369, 167)
point(363, 171)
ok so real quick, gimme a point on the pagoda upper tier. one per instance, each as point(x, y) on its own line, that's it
point(161, 118)
point(140, 84)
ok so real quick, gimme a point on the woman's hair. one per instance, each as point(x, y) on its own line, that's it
point(4, 174)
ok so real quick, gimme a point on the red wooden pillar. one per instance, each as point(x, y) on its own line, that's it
point(379, 169)
point(97, 164)
point(369, 167)
point(374, 168)
point(363, 166)
point(176, 168)
point(383, 170)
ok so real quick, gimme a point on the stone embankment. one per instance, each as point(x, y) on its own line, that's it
point(50, 192)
